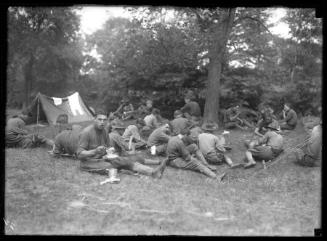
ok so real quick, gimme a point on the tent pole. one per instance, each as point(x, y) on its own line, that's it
point(37, 112)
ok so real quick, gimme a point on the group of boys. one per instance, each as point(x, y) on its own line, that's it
point(185, 142)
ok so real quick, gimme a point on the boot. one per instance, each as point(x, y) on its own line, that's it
point(142, 169)
point(200, 156)
point(206, 171)
point(160, 169)
point(151, 162)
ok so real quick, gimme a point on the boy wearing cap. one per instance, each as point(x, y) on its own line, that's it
point(212, 146)
point(158, 139)
point(266, 148)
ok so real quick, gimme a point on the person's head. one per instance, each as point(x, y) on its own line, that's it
point(187, 100)
point(22, 116)
point(166, 127)
point(189, 96)
point(117, 125)
point(267, 116)
point(149, 103)
point(287, 106)
point(236, 108)
point(140, 123)
point(185, 132)
point(178, 113)
point(155, 111)
point(100, 119)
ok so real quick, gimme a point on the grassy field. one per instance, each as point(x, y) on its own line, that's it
point(52, 196)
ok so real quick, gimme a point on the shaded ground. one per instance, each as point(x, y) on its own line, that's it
point(52, 196)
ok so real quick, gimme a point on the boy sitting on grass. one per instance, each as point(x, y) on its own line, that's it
point(266, 148)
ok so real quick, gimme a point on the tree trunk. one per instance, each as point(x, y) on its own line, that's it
point(28, 74)
point(216, 53)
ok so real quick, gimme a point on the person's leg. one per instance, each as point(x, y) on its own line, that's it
point(213, 158)
point(229, 161)
point(193, 165)
point(193, 149)
point(132, 163)
point(139, 145)
point(285, 126)
point(27, 141)
point(95, 165)
point(258, 153)
point(249, 158)
point(230, 125)
point(303, 159)
point(248, 124)
point(41, 140)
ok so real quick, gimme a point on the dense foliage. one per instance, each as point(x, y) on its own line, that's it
point(160, 53)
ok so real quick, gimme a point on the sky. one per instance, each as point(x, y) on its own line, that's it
point(92, 19)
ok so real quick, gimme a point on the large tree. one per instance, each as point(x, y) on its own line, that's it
point(44, 48)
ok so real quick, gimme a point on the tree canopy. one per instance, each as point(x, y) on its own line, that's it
point(162, 52)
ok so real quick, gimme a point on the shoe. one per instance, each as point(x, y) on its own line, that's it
point(228, 148)
point(160, 169)
point(249, 165)
point(212, 168)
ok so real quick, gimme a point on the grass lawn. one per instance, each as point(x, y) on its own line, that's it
point(52, 196)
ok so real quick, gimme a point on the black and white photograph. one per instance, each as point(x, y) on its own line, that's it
point(163, 120)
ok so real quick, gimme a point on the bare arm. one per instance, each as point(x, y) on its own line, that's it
point(256, 131)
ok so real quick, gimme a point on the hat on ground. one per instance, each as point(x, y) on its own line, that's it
point(209, 126)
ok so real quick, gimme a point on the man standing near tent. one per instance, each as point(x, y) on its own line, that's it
point(18, 136)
